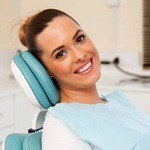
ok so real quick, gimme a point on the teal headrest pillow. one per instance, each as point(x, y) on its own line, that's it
point(34, 79)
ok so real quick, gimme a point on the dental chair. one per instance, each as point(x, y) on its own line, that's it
point(42, 91)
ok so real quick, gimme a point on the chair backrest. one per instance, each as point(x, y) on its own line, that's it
point(41, 89)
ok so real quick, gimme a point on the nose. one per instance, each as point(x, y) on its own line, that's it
point(78, 54)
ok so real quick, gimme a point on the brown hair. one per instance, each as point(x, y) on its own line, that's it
point(35, 25)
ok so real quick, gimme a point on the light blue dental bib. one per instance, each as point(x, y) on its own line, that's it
point(115, 125)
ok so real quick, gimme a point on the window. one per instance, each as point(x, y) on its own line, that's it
point(146, 34)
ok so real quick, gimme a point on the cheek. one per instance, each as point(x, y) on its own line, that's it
point(61, 69)
point(56, 68)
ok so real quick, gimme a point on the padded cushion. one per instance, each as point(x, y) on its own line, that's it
point(32, 81)
point(42, 76)
point(46, 92)
point(19, 77)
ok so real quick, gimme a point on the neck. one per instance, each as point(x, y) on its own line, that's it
point(88, 95)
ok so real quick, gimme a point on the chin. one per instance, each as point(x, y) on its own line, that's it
point(92, 80)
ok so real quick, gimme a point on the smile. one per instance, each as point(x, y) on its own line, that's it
point(86, 68)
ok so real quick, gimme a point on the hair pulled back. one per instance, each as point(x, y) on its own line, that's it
point(34, 25)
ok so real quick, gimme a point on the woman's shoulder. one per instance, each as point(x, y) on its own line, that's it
point(53, 123)
point(54, 132)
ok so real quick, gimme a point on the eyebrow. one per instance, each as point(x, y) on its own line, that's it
point(62, 46)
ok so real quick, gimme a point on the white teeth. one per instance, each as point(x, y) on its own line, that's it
point(85, 67)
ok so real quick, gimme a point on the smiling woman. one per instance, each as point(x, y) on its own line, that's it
point(67, 53)
point(82, 120)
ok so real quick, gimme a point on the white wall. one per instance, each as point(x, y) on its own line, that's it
point(9, 17)
point(110, 28)
point(130, 25)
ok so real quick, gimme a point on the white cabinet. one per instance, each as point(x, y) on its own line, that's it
point(16, 113)
point(6, 116)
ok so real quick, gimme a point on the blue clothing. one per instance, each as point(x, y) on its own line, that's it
point(115, 125)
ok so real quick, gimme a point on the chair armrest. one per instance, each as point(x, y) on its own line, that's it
point(17, 141)
point(14, 141)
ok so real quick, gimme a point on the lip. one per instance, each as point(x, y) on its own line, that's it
point(81, 66)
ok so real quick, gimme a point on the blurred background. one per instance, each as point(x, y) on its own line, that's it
point(113, 25)
point(118, 28)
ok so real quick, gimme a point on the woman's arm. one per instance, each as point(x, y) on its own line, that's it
point(56, 136)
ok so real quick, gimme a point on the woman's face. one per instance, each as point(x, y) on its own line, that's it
point(69, 54)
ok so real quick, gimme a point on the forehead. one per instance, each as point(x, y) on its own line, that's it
point(57, 32)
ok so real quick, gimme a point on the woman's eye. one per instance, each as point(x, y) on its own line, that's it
point(60, 54)
point(80, 38)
